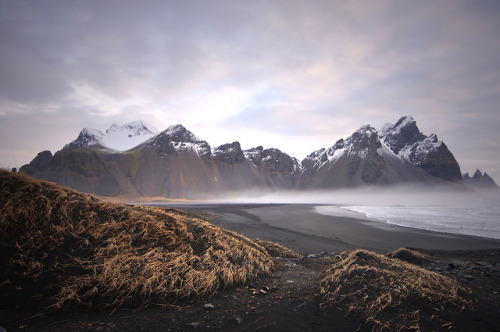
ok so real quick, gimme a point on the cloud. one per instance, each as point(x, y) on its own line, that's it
point(287, 71)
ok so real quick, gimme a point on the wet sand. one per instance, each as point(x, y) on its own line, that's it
point(299, 227)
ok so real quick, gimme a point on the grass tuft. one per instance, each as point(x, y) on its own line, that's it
point(390, 294)
point(277, 250)
point(62, 249)
point(409, 255)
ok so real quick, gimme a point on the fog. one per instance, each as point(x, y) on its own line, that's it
point(395, 195)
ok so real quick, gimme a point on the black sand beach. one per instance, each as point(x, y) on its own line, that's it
point(300, 228)
point(290, 301)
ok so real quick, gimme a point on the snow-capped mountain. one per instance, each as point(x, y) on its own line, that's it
point(133, 160)
point(118, 138)
point(272, 160)
point(427, 152)
point(175, 139)
point(360, 159)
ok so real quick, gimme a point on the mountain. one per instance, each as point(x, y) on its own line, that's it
point(479, 181)
point(427, 152)
point(177, 163)
point(173, 163)
point(361, 159)
point(119, 138)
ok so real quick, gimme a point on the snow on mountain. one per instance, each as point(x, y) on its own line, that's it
point(358, 143)
point(87, 137)
point(360, 159)
point(127, 136)
point(272, 160)
point(405, 139)
point(427, 152)
point(119, 138)
point(177, 139)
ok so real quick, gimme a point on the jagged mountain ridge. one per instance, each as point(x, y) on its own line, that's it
point(479, 181)
point(405, 139)
point(360, 159)
point(176, 163)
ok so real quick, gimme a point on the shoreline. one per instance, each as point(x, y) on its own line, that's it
point(304, 230)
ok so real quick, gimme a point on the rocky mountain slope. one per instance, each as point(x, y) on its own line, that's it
point(479, 181)
point(360, 159)
point(176, 163)
point(427, 152)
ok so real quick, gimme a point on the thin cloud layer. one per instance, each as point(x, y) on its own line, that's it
point(289, 74)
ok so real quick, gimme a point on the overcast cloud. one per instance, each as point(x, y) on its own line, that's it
point(295, 75)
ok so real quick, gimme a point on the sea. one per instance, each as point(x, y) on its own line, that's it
point(483, 221)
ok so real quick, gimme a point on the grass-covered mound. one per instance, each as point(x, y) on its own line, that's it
point(61, 248)
point(278, 250)
point(409, 255)
point(391, 294)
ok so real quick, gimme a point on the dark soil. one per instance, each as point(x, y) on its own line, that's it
point(287, 301)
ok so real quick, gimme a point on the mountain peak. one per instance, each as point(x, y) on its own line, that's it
point(177, 138)
point(403, 133)
point(174, 129)
point(405, 140)
point(404, 121)
point(479, 180)
point(119, 138)
point(229, 153)
point(87, 138)
point(179, 133)
point(134, 128)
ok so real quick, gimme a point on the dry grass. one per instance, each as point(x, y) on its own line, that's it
point(409, 255)
point(61, 249)
point(391, 294)
point(277, 250)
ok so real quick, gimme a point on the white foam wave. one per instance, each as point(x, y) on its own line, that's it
point(476, 221)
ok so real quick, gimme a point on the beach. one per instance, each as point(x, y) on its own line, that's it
point(300, 228)
point(289, 300)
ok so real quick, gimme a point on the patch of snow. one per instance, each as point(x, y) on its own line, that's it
point(178, 128)
point(93, 132)
point(127, 136)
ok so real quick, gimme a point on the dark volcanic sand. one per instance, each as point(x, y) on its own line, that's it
point(291, 302)
point(298, 227)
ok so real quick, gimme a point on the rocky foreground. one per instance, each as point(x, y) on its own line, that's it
point(290, 300)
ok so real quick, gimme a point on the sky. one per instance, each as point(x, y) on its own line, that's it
point(294, 75)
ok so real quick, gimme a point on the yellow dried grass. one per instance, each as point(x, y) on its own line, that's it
point(62, 249)
point(278, 250)
point(391, 294)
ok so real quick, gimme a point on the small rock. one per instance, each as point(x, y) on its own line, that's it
point(311, 256)
point(193, 325)
point(265, 288)
point(238, 320)
point(208, 306)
